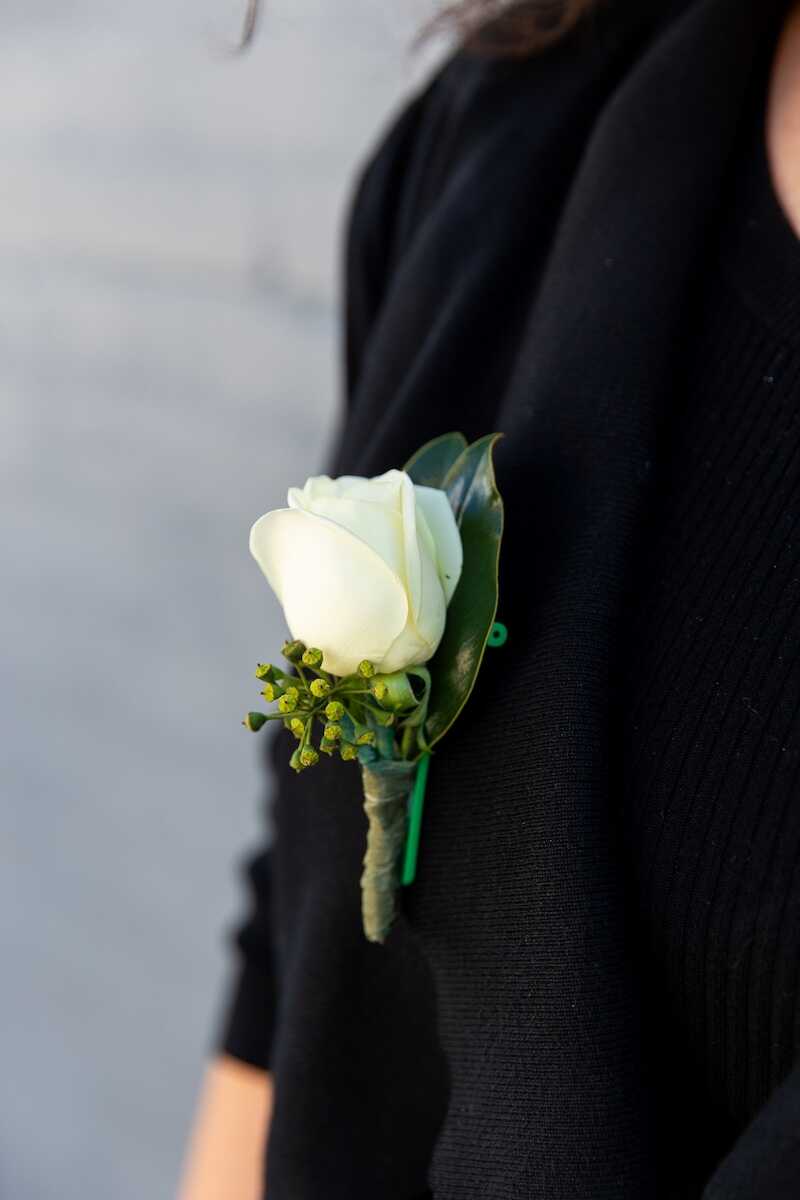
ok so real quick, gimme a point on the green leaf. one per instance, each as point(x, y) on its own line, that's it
point(429, 466)
point(349, 732)
point(385, 742)
point(472, 490)
point(415, 720)
point(398, 695)
point(417, 716)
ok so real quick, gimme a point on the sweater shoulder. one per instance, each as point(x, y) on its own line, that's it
point(395, 181)
point(467, 103)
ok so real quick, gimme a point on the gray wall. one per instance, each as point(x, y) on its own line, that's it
point(169, 236)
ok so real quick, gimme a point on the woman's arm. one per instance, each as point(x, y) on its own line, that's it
point(225, 1158)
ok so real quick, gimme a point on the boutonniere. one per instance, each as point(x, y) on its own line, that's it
point(389, 588)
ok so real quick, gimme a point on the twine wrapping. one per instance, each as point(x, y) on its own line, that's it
point(386, 785)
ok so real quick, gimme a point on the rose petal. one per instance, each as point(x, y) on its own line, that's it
point(336, 592)
point(368, 508)
point(413, 566)
point(321, 486)
point(442, 524)
point(419, 640)
point(375, 524)
point(380, 489)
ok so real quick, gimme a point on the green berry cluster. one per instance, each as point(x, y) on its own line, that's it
point(357, 717)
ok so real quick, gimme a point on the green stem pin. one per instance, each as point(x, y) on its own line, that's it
point(415, 820)
point(498, 636)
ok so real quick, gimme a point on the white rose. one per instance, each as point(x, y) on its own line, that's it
point(364, 568)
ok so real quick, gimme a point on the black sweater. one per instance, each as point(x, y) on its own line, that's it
point(593, 989)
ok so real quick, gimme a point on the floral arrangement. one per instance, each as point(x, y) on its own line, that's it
point(389, 587)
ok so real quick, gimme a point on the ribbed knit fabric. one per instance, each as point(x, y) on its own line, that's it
point(712, 685)
point(593, 988)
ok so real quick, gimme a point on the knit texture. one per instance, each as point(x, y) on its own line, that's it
point(711, 724)
point(591, 991)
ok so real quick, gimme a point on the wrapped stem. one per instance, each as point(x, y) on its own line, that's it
point(386, 786)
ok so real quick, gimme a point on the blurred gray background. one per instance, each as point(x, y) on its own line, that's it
point(169, 245)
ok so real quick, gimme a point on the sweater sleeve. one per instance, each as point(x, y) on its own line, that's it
point(764, 1163)
point(250, 1006)
point(249, 1012)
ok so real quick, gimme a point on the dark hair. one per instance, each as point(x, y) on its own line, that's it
point(494, 27)
point(512, 30)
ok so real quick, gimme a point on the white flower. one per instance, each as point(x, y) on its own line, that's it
point(364, 568)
